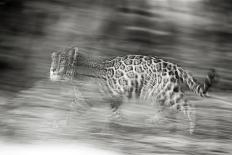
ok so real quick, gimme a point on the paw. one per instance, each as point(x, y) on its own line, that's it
point(116, 116)
point(191, 130)
point(79, 106)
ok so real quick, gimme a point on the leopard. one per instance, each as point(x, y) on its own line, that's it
point(142, 77)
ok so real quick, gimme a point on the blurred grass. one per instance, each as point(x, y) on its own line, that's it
point(46, 114)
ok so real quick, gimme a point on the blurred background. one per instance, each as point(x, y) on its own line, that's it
point(197, 34)
point(194, 33)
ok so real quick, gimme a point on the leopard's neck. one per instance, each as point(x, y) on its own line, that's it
point(89, 65)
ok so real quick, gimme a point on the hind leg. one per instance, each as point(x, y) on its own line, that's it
point(182, 105)
point(189, 110)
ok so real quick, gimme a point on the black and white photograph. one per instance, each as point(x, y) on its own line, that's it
point(116, 77)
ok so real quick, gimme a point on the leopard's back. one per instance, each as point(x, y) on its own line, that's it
point(138, 74)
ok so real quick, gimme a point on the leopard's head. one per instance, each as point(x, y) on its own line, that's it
point(63, 64)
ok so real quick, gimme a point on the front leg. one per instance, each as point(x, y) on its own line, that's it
point(79, 101)
point(115, 103)
point(114, 97)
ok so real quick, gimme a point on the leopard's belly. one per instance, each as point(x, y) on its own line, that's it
point(144, 85)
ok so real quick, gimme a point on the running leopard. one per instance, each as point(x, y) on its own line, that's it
point(134, 76)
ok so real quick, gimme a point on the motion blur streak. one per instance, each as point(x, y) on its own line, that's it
point(194, 33)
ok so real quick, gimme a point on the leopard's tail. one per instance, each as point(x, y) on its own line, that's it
point(197, 87)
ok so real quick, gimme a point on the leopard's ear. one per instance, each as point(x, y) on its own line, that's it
point(71, 52)
point(76, 50)
point(53, 54)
